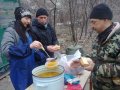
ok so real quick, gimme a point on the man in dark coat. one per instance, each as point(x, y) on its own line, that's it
point(45, 33)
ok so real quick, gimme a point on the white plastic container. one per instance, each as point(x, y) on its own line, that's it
point(50, 83)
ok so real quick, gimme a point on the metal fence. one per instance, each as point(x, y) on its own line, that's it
point(6, 16)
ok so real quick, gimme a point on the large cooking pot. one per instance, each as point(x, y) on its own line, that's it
point(48, 82)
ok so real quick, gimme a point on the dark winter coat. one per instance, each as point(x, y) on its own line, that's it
point(46, 35)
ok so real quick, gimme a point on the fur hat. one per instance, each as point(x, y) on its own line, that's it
point(41, 11)
point(101, 11)
point(21, 12)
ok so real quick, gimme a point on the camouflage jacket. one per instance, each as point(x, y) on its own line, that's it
point(107, 55)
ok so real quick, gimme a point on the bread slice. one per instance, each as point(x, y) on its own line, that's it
point(84, 62)
point(57, 47)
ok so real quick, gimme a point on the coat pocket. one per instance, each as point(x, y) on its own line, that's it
point(108, 70)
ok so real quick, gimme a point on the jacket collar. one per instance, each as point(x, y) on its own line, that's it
point(115, 29)
point(37, 24)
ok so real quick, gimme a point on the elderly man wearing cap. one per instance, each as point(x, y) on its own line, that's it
point(18, 46)
point(104, 61)
point(45, 33)
point(105, 58)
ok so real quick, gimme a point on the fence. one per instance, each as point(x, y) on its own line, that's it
point(6, 15)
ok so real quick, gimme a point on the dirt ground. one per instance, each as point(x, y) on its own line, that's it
point(5, 84)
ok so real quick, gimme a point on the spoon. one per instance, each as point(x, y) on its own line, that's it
point(45, 52)
point(54, 59)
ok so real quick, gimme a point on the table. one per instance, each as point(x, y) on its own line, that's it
point(83, 80)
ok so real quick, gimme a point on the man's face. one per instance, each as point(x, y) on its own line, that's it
point(26, 21)
point(97, 25)
point(43, 19)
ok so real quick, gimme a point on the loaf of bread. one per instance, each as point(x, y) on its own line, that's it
point(84, 62)
point(57, 47)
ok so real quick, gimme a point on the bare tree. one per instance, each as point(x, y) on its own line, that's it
point(73, 13)
point(54, 9)
point(87, 6)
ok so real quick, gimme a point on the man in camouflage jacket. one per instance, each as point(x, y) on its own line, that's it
point(105, 57)
point(107, 63)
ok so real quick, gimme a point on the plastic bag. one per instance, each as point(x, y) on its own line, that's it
point(67, 60)
point(74, 87)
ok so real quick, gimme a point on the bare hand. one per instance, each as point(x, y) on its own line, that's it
point(53, 48)
point(91, 65)
point(36, 45)
point(75, 64)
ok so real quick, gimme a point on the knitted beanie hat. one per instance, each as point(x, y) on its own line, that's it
point(101, 11)
point(20, 12)
point(41, 11)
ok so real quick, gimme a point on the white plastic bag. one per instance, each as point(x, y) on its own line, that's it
point(67, 60)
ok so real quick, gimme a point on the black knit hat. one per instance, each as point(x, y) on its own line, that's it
point(41, 11)
point(101, 11)
point(21, 12)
